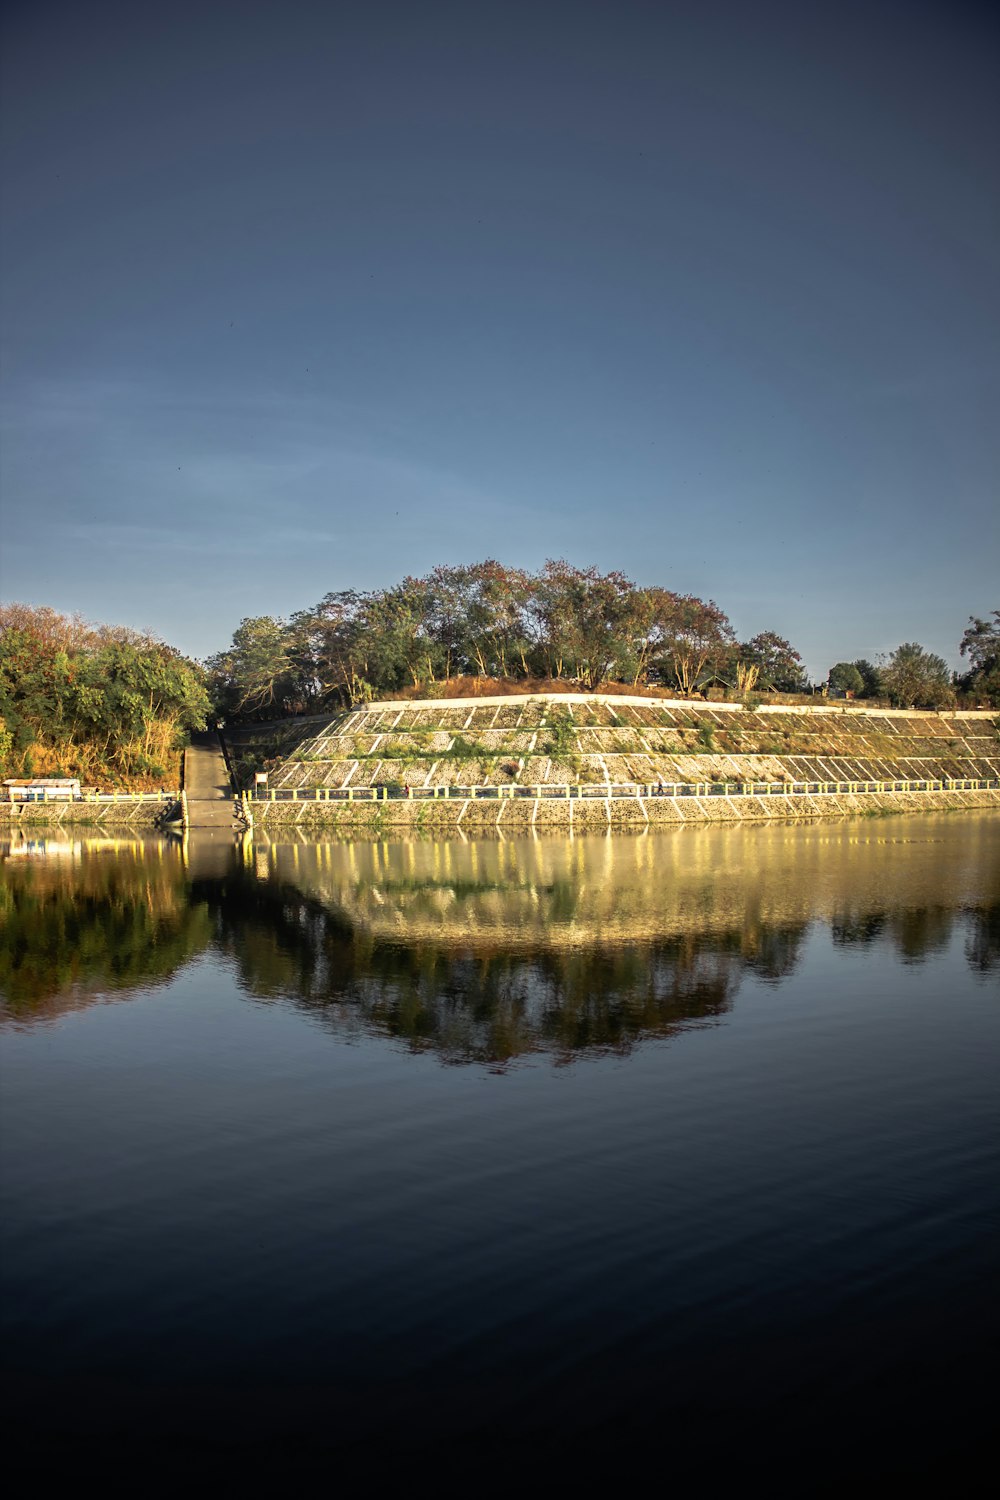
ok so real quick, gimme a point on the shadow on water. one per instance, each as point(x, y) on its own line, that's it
point(478, 951)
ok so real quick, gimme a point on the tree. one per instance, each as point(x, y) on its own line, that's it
point(981, 644)
point(330, 646)
point(914, 677)
point(401, 641)
point(498, 627)
point(846, 678)
point(778, 665)
point(871, 678)
point(583, 618)
point(697, 637)
point(450, 602)
point(150, 696)
point(257, 673)
point(653, 612)
point(479, 617)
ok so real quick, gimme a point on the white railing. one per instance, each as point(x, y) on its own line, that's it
point(566, 791)
point(43, 794)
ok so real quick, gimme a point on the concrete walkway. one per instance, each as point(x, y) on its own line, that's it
point(207, 786)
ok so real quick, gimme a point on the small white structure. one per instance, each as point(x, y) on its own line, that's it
point(42, 789)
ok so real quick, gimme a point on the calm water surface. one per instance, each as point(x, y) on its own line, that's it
point(680, 1146)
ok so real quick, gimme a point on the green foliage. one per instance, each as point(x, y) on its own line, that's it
point(693, 638)
point(586, 621)
point(461, 749)
point(871, 678)
point(93, 927)
point(92, 700)
point(917, 678)
point(981, 644)
point(845, 678)
point(706, 737)
point(482, 620)
point(256, 675)
point(777, 666)
point(561, 741)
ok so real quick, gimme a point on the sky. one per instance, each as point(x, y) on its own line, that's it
point(311, 296)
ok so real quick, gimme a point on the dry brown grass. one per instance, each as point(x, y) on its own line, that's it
point(85, 762)
point(519, 687)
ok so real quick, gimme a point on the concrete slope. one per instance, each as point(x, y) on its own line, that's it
point(206, 784)
point(594, 740)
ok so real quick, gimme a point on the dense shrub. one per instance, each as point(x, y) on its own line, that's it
point(98, 702)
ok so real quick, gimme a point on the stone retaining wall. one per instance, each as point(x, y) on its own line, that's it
point(87, 814)
point(602, 812)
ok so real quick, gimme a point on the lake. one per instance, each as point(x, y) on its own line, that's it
point(565, 1153)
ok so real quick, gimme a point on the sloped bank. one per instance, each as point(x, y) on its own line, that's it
point(490, 757)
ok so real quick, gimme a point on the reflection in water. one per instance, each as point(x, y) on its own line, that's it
point(982, 946)
point(486, 1006)
point(89, 918)
point(916, 932)
point(485, 951)
point(223, 1232)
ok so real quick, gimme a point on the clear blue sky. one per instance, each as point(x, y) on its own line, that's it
point(309, 296)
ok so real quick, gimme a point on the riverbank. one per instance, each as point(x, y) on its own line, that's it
point(584, 761)
point(593, 760)
point(517, 815)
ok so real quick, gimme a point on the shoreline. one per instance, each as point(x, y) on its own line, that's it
point(609, 812)
point(461, 814)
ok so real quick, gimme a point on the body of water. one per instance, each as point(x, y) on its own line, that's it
point(679, 1147)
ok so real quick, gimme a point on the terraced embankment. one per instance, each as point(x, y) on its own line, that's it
point(594, 760)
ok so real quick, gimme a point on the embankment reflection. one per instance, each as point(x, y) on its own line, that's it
point(485, 1003)
point(484, 950)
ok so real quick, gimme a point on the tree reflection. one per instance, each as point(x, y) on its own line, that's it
point(79, 923)
point(493, 1003)
point(982, 943)
point(919, 932)
point(84, 924)
point(857, 930)
point(916, 932)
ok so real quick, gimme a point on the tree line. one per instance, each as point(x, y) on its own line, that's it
point(564, 623)
point(487, 620)
point(911, 676)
